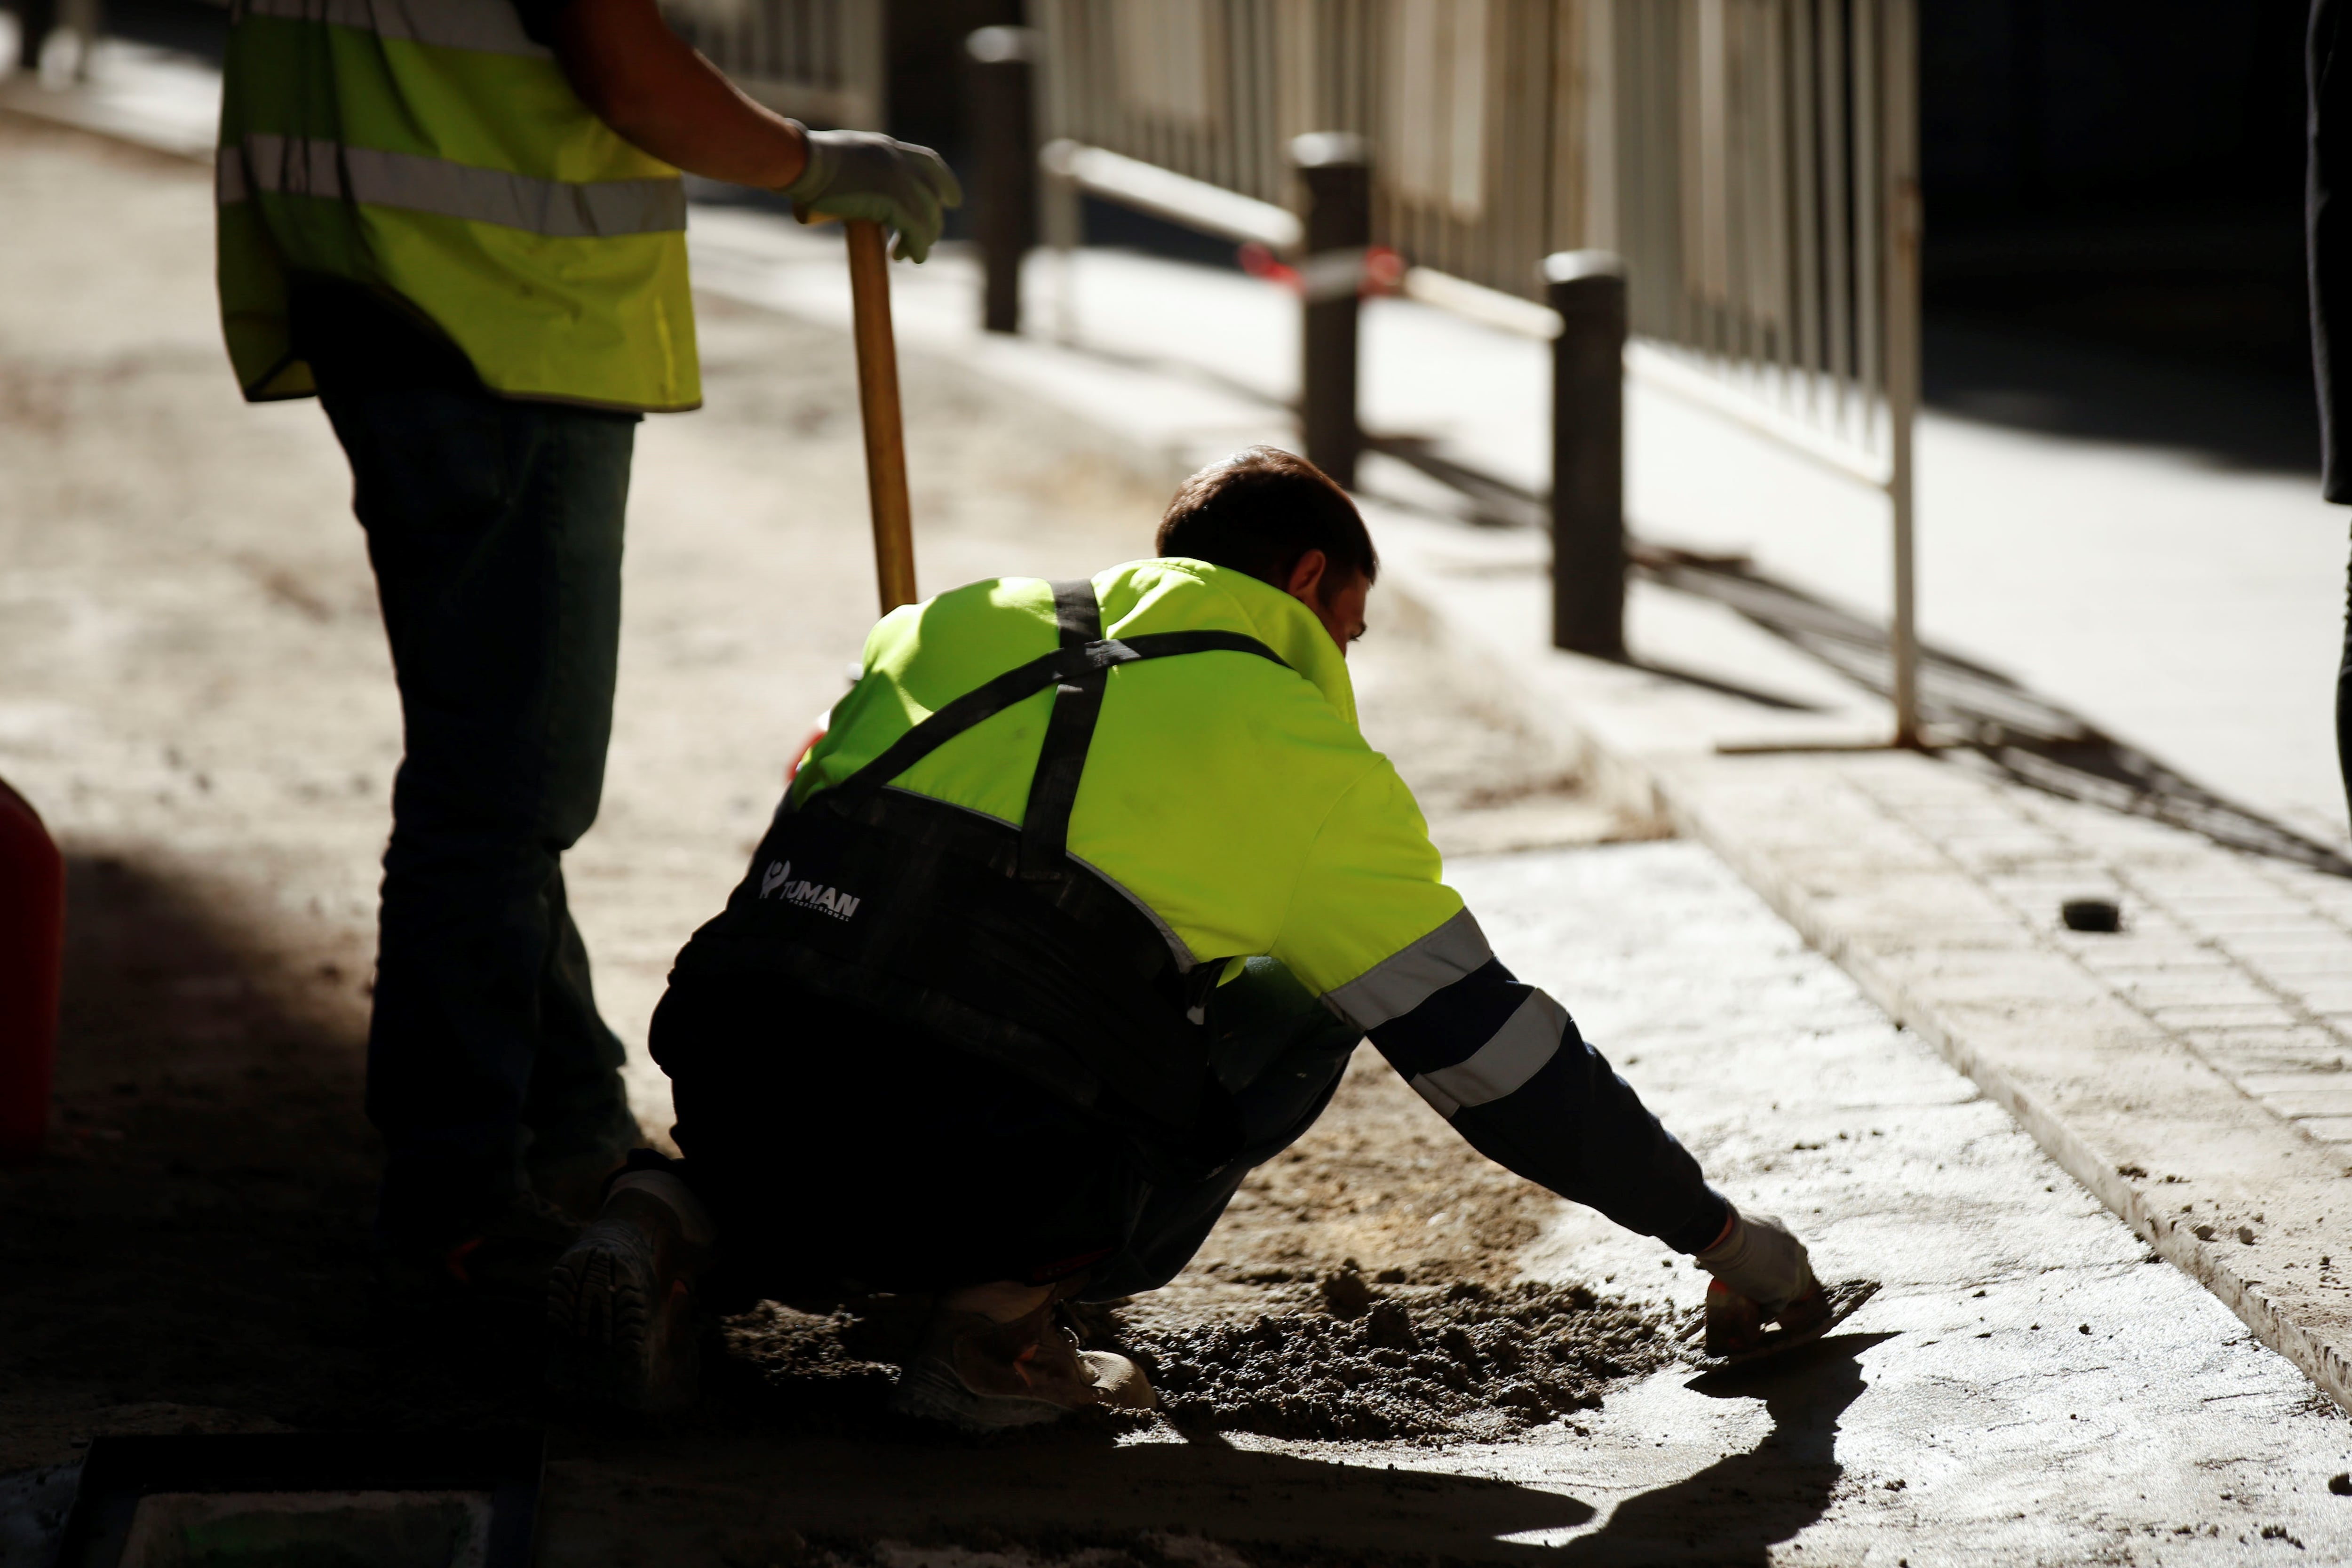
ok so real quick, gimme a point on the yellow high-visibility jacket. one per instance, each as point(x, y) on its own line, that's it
point(1234, 799)
point(1235, 802)
point(432, 151)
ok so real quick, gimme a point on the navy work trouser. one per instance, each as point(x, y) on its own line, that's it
point(832, 1145)
point(495, 529)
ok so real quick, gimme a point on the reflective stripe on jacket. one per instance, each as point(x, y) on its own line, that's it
point(431, 150)
point(1236, 801)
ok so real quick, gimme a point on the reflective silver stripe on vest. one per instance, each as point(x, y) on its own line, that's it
point(1516, 1053)
point(293, 166)
point(485, 26)
point(1411, 975)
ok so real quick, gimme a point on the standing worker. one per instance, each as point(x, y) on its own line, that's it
point(460, 223)
point(1075, 916)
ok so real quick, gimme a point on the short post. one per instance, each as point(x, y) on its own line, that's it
point(35, 21)
point(1004, 166)
point(1587, 288)
point(1336, 175)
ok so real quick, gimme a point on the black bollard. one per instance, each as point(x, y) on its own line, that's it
point(1588, 451)
point(35, 20)
point(1336, 174)
point(1004, 166)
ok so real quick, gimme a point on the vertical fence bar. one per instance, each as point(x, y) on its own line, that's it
point(1837, 210)
point(1587, 288)
point(1899, 169)
point(1869, 76)
point(1805, 319)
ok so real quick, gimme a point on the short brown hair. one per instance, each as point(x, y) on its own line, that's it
point(1262, 509)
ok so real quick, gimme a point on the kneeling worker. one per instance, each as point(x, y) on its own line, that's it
point(1073, 917)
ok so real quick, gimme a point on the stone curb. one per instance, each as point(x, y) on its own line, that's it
point(2098, 1145)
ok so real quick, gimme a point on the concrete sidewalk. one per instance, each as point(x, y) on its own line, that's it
point(2189, 1069)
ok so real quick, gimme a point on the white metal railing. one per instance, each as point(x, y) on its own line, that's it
point(1762, 164)
point(821, 60)
point(1461, 101)
point(1754, 162)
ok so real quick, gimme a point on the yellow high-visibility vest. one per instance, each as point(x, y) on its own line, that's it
point(430, 150)
point(1233, 799)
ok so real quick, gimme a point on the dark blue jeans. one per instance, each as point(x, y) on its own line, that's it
point(495, 529)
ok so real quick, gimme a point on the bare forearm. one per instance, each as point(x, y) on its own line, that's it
point(644, 81)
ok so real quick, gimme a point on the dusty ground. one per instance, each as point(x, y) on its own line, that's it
point(194, 689)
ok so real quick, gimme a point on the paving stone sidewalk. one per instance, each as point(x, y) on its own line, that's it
point(2188, 1070)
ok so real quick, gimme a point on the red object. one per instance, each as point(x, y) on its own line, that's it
point(1259, 262)
point(32, 958)
point(792, 768)
point(1383, 269)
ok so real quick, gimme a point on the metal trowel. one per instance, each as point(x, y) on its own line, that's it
point(1733, 1332)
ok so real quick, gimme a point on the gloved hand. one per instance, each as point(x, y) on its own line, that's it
point(866, 174)
point(1761, 1261)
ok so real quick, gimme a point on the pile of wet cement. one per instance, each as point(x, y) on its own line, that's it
point(1342, 1358)
point(1357, 1363)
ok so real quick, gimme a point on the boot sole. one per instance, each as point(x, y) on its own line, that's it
point(615, 1337)
point(929, 1390)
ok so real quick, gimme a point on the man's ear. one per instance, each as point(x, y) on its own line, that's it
point(1305, 583)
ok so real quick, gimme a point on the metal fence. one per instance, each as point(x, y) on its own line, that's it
point(1470, 107)
point(1759, 160)
point(1753, 162)
point(817, 60)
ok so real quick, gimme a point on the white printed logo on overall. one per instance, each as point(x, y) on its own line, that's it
point(777, 881)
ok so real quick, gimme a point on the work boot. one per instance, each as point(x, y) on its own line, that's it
point(622, 1319)
point(976, 1372)
point(500, 1261)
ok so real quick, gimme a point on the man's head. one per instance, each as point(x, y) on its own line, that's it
point(1280, 518)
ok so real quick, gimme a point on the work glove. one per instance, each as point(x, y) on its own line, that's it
point(1762, 1261)
point(866, 174)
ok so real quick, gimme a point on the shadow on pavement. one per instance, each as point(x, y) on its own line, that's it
point(1738, 1509)
point(615, 1495)
point(2243, 416)
point(1988, 718)
point(191, 1254)
point(752, 1501)
point(1982, 714)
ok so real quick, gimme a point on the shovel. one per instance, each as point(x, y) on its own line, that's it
point(877, 408)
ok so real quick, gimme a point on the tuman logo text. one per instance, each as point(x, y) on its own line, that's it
point(776, 881)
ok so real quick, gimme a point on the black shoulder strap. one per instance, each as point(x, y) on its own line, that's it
point(1078, 669)
point(1078, 704)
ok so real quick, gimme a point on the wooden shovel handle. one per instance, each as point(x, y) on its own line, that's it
point(877, 404)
